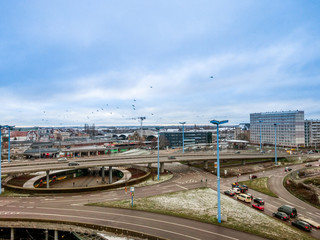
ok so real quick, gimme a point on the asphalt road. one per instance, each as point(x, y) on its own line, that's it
point(70, 207)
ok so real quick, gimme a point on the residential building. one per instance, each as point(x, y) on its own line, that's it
point(312, 133)
point(289, 128)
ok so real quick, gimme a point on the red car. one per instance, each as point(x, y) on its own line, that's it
point(257, 206)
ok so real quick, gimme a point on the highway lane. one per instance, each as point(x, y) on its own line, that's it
point(70, 207)
point(14, 168)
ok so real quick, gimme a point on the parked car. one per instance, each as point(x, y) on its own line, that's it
point(244, 198)
point(258, 200)
point(253, 176)
point(308, 165)
point(311, 222)
point(244, 187)
point(73, 164)
point(258, 206)
point(290, 211)
point(287, 169)
point(229, 193)
point(236, 190)
point(302, 225)
point(250, 195)
point(281, 215)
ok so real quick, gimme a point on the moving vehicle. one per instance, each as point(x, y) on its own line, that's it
point(258, 206)
point(229, 192)
point(308, 165)
point(287, 169)
point(290, 211)
point(281, 215)
point(244, 198)
point(73, 164)
point(63, 159)
point(311, 222)
point(253, 176)
point(258, 200)
point(302, 225)
point(236, 190)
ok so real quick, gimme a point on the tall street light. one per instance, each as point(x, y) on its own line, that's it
point(218, 166)
point(183, 123)
point(275, 143)
point(260, 121)
point(158, 177)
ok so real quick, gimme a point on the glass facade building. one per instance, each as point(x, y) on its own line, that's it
point(190, 138)
point(312, 133)
point(289, 124)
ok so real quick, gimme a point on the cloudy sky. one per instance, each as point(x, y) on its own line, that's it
point(110, 62)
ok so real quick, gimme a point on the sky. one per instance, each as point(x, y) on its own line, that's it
point(68, 63)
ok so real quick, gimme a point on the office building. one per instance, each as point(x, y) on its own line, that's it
point(289, 127)
point(312, 133)
point(174, 139)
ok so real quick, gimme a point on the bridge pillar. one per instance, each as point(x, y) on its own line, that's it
point(97, 153)
point(162, 167)
point(89, 154)
point(79, 154)
point(149, 165)
point(206, 164)
point(110, 174)
point(48, 178)
point(243, 162)
point(103, 174)
point(12, 234)
point(55, 234)
point(46, 232)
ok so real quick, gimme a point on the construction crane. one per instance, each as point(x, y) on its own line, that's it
point(141, 120)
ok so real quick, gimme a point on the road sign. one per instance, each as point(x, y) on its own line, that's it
point(215, 164)
point(131, 189)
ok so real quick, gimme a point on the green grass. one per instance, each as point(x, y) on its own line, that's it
point(260, 185)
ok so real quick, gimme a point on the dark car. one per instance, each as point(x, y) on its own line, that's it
point(258, 206)
point(73, 164)
point(229, 193)
point(287, 169)
point(244, 187)
point(281, 215)
point(290, 211)
point(302, 225)
point(254, 176)
point(258, 200)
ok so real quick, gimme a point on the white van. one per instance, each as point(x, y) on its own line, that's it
point(63, 159)
point(244, 198)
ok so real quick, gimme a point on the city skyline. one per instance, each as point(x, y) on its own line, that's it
point(109, 63)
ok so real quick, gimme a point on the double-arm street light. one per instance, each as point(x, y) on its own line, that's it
point(183, 123)
point(218, 166)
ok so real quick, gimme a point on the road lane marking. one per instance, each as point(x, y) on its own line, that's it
point(129, 216)
point(181, 187)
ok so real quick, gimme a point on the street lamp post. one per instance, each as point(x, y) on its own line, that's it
point(275, 143)
point(218, 166)
point(183, 123)
point(158, 177)
point(260, 121)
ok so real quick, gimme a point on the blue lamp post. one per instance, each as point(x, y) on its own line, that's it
point(218, 166)
point(158, 177)
point(260, 121)
point(275, 143)
point(183, 123)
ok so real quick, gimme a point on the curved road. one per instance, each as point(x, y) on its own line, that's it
point(70, 207)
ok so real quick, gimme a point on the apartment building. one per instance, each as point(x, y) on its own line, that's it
point(312, 133)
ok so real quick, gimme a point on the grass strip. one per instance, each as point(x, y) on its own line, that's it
point(260, 185)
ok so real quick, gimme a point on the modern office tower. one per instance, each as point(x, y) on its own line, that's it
point(312, 133)
point(289, 128)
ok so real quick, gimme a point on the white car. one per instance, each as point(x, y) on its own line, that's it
point(63, 159)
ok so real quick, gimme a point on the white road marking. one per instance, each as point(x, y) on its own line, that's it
point(127, 223)
point(181, 187)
